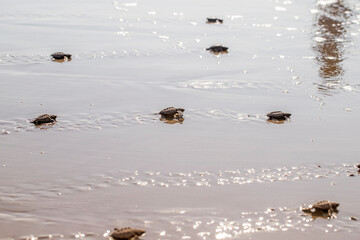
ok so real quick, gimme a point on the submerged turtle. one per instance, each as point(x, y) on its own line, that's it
point(323, 209)
point(61, 56)
point(214, 20)
point(46, 118)
point(218, 49)
point(127, 233)
point(278, 115)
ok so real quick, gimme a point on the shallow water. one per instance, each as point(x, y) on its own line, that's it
point(225, 172)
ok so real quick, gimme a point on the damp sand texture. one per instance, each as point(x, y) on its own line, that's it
point(224, 171)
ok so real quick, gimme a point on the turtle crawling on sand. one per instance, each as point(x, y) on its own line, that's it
point(322, 209)
point(127, 233)
point(278, 115)
point(172, 112)
point(60, 56)
point(46, 118)
point(218, 49)
point(172, 115)
point(214, 20)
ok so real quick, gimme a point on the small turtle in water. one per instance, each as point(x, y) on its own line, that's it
point(127, 233)
point(278, 115)
point(46, 118)
point(218, 49)
point(323, 209)
point(172, 112)
point(172, 115)
point(214, 20)
point(61, 56)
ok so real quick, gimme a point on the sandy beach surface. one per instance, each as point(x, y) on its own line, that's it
point(224, 172)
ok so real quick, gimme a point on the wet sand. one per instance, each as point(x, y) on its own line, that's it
point(225, 172)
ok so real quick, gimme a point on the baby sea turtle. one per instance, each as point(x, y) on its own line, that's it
point(127, 233)
point(325, 205)
point(214, 20)
point(60, 56)
point(172, 112)
point(278, 115)
point(46, 118)
point(172, 115)
point(218, 49)
point(322, 209)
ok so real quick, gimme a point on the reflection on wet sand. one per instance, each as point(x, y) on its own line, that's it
point(321, 214)
point(330, 29)
point(277, 121)
point(45, 125)
point(62, 60)
point(218, 53)
point(172, 120)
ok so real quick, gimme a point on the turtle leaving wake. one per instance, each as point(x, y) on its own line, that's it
point(127, 233)
point(45, 118)
point(217, 49)
point(322, 209)
point(61, 56)
point(214, 20)
point(278, 115)
point(172, 115)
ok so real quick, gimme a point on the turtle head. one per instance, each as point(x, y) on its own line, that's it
point(334, 205)
point(139, 232)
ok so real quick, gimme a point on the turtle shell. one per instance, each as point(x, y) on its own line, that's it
point(325, 205)
point(127, 233)
point(45, 118)
point(214, 20)
point(217, 49)
point(60, 55)
point(171, 111)
point(278, 115)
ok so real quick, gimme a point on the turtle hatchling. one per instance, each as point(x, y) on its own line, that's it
point(127, 233)
point(60, 56)
point(218, 49)
point(172, 112)
point(322, 206)
point(46, 118)
point(214, 20)
point(278, 115)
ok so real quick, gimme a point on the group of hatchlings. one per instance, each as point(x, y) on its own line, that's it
point(325, 209)
point(215, 49)
point(168, 114)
